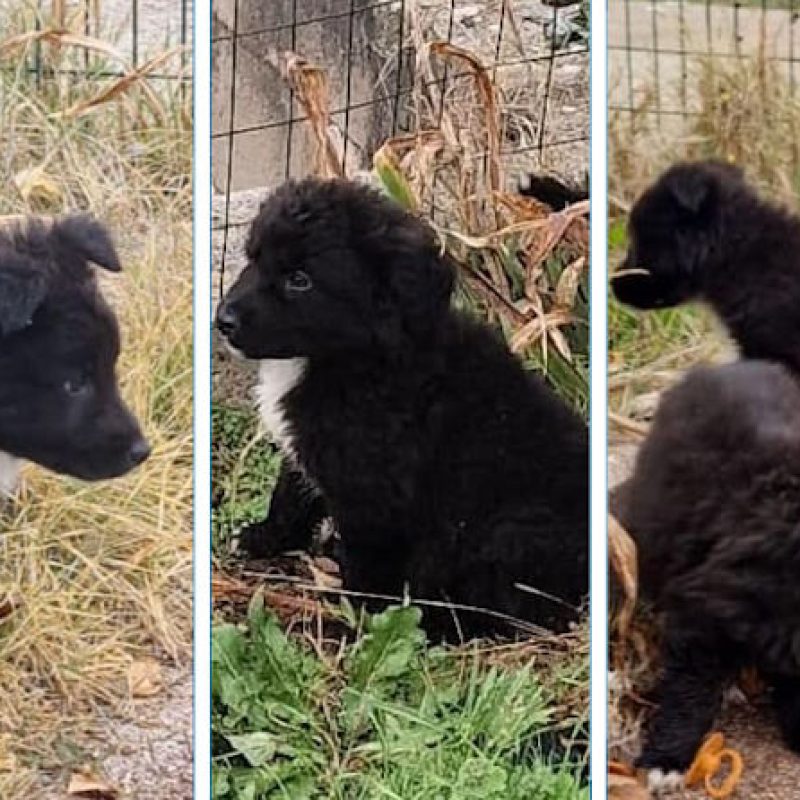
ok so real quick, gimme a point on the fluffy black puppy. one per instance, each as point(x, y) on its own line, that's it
point(59, 341)
point(700, 232)
point(714, 507)
point(444, 465)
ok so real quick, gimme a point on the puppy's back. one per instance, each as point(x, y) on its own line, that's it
point(722, 462)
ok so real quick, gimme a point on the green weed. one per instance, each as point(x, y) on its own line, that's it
point(245, 468)
point(383, 717)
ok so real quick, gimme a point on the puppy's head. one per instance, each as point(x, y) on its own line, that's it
point(59, 341)
point(673, 231)
point(334, 267)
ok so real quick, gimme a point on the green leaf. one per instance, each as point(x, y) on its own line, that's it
point(257, 748)
point(393, 181)
point(618, 235)
point(388, 647)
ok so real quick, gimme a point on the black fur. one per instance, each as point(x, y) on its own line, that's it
point(702, 233)
point(444, 465)
point(714, 507)
point(552, 191)
point(59, 342)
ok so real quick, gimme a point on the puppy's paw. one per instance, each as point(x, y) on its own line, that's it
point(256, 541)
point(662, 783)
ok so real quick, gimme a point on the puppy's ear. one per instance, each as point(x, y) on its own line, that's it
point(418, 278)
point(22, 290)
point(692, 189)
point(84, 236)
point(697, 187)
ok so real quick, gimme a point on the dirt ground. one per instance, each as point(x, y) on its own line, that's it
point(771, 772)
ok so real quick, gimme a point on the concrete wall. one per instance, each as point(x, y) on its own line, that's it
point(256, 102)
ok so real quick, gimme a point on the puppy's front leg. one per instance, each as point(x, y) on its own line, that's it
point(373, 560)
point(690, 697)
point(295, 512)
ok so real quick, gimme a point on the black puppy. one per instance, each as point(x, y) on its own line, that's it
point(59, 342)
point(553, 191)
point(714, 507)
point(700, 232)
point(444, 465)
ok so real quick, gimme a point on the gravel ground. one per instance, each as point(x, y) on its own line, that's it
point(150, 755)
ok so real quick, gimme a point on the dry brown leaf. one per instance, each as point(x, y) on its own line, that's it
point(560, 343)
point(535, 328)
point(622, 556)
point(569, 282)
point(59, 37)
point(324, 579)
point(120, 86)
point(310, 84)
point(623, 787)
point(224, 587)
point(36, 186)
point(488, 96)
point(144, 678)
point(86, 784)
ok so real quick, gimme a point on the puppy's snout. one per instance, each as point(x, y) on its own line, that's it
point(227, 320)
point(139, 452)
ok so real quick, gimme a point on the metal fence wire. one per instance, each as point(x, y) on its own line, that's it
point(657, 49)
point(135, 31)
point(536, 53)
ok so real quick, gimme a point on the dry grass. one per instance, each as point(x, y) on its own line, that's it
point(95, 576)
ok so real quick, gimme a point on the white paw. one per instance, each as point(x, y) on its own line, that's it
point(661, 783)
point(327, 530)
point(734, 697)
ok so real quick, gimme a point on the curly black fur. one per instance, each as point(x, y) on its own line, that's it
point(59, 342)
point(445, 466)
point(714, 507)
point(700, 232)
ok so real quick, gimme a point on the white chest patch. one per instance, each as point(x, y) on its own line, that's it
point(276, 378)
point(9, 474)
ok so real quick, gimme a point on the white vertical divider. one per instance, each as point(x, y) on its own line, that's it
point(599, 404)
point(202, 399)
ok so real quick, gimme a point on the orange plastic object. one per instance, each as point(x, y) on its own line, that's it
point(709, 761)
point(618, 768)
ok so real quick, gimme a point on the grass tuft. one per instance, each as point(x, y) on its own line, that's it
point(382, 715)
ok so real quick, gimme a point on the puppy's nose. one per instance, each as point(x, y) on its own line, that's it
point(227, 320)
point(139, 452)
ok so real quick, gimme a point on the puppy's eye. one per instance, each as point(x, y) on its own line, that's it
point(297, 281)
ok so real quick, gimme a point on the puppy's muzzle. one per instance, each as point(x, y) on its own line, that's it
point(228, 322)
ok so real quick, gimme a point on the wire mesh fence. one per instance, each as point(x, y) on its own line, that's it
point(369, 50)
point(112, 40)
point(658, 49)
